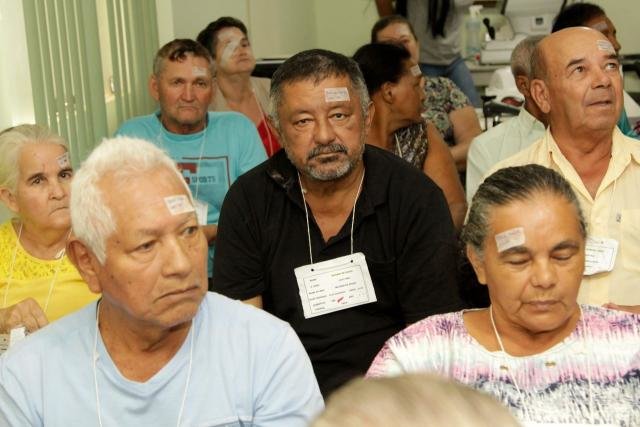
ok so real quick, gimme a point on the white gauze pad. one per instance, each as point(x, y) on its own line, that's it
point(510, 239)
point(178, 204)
point(63, 160)
point(415, 70)
point(199, 71)
point(231, 47)
point(605, 45)
point(336, 94)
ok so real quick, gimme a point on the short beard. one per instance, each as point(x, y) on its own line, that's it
point(328, 175)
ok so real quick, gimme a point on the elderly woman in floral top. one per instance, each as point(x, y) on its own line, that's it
point(395, 85)
point(447, 107)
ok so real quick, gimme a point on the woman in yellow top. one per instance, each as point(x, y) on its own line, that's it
point(38, 283)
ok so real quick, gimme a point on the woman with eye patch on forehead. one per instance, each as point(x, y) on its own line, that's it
point(228, 42)
point(38, 283)
point(395, 84)
point(547, 358)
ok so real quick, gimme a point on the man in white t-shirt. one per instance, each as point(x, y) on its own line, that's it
point(157, 349)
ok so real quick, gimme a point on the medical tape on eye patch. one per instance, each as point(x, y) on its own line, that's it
point(605, 45)
point(199, 71)
point(63, 160)
point(336, 94)
point(415, 71)
point(510, 239)
point(178, 204)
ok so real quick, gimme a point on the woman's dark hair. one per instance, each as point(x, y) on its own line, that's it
point(209, 36)
point(381, 63)
point(383, 23)
point(509, 185)
point(576, 15)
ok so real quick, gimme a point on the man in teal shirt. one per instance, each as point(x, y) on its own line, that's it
point(211, 149)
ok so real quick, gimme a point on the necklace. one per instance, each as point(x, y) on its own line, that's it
point(513, 378)
point(95, 371)
point(306, 213)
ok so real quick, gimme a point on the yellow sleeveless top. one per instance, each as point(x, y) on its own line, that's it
point(32, 277)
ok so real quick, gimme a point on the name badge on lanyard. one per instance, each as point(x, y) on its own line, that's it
point(334, 285)
point(600, 255)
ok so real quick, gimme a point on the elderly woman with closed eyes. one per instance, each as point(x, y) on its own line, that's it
point(547, 358)
point(38, 283)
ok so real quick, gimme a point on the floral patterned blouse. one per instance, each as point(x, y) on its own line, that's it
point(443, 97)
point(411, 144)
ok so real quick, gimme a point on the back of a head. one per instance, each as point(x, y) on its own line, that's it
point(381, 63)
point(177, 50)
point(12, 140)
point(209, 36)
point(522, 54)
point(122, 158)
point(576, 15)
point(315, 65)
point(513, 184)
point(412, 400)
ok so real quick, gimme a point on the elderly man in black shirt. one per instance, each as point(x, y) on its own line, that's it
point(347, 243)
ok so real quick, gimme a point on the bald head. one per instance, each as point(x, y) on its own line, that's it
point(576, 79)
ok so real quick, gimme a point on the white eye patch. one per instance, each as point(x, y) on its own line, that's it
point(415, 71)
point(510, 239)
point(63, 160)
point(336, 94)
point(199, 71)
point(230, 48)
point(178, 204)
point(605, 45)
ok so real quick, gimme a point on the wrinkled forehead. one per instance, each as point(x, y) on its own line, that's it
point(394, 31)
point(331, 89)
point(42, 155)
point(230, 34)
point(559, 52)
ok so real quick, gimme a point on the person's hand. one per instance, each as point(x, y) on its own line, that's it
point(26, 313)
point(635, 309)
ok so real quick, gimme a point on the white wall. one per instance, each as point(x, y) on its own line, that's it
point(276, 27)
point(344, 25)
point(16, 99)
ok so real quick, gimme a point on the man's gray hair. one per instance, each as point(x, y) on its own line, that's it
point(509, 185)
point(121, 158)
point(315, 65)
point(13, 140)
point(521, 56)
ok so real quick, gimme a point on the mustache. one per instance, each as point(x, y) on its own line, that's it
point(327, 149)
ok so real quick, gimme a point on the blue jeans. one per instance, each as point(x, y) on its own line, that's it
point(459, 73)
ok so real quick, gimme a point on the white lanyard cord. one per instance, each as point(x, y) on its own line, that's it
point(524, 405)
point(306, 214)
point(10, 275)
point(513, 377)
point(398, 144)
point(95, 371)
